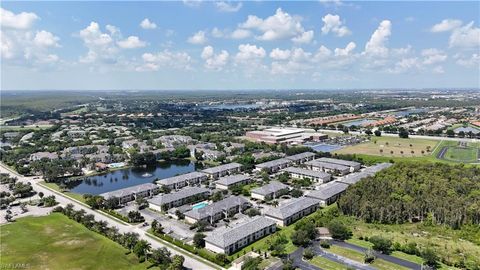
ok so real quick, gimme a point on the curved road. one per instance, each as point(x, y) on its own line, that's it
point(191, 261)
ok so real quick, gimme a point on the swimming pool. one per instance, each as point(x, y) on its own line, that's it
point(199, 205)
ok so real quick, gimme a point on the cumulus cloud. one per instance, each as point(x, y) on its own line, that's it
point(446, 25)
point(278, 54)
point(332, 23)
point(228, 7)
point(132, 42)
point(165, 58)
point(212, 60)
point(198, 38)
point(405, 65)
point(281, 25)
point(247, 52)
point(147, 24)
point(433, 56)
point(346, 51)
point(472, 61)
point(466, 36)
point(305, 37)
point(22, 20)
point(240, 34)
point(23, 45)
point(376, 46)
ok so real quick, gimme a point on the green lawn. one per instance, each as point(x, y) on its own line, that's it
point(359, 257)
point(327, 264)
point(76, 196)
point(56, 242)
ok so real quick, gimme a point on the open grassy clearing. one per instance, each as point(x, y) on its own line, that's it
point(452, 151)
point(56, 242)
point(359, 257)
point(327, 264)
point(76, 196)
point(392, 147)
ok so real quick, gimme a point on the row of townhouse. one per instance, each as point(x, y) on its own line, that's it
point(232, 181)
point(129, 194)
point(218, 210)
point(270, 191)
point(301, 173)
point(282, 163)
point(188, 195)
point(180, 181)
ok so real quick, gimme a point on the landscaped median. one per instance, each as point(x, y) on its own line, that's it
point(202, 254)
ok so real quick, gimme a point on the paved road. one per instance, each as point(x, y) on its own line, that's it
point(438, 138)
point(298, 262)
point(385, 257)
point(191, 261)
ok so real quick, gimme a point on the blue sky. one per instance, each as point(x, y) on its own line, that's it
point(239, 45)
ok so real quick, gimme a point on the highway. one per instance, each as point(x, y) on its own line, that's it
point(191, 261)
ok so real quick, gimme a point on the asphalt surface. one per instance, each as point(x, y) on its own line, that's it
point(191, 261)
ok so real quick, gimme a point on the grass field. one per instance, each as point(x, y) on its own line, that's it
point(392, 147)
point(76, 196)
point(359, 257)
point(327, 264)
point(56, 242)
point(455, 153)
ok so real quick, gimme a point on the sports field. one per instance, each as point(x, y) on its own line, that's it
point(392, 147)
point(56, 242)
point(453, 151)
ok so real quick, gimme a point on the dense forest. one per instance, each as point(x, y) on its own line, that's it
point(408, 191)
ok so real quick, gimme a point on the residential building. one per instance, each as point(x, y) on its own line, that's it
point(232, 239)
point(353, 178)
point(231, 181)
point(329, 193)
point(301, 158)
point(222, 170)
point(217, 210)
point(129, 194)
point(331, 168)
point(272, 190)
point(163, 202)
point(292, 211)
point(354, 166)
point(39, 155)
point(274, 165)
point(180, 181)
point(315, 176)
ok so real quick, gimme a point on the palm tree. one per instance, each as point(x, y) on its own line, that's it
point(142, 248)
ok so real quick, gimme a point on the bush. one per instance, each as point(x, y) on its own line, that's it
point(381, 244)
point(369, 256)
point(325, 244)
point(308, 254)
point(339, 230)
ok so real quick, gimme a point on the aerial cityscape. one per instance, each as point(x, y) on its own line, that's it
point(318, 135)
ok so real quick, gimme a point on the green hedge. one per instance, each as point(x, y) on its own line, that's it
point(202, 252)
point(115, 214)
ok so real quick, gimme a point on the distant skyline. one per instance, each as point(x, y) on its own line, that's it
point(239, 45)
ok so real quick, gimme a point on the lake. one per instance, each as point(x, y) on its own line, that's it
point(128, 177)
point(358, 122)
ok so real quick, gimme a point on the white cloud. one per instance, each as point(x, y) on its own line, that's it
point(472, 61)
point(228, 7)
point(278, 54)
point(376, 46)
point(322, 53)
point(438, 70)
point(165, 58)
point(240, 34)
point(433, 56)
point(214, 61)
point(446, 25)
point(23, 20)
point(100, 45)
point(132, 42)
point(192, 3)
point(305, 37)
point(405, 65)
point(147, 24)
point(466, 36)
point(217, 33)
point(345, 52)
point(279, 26)
point(332, 23)
point(247, 52)
point(198, 38)
point(46, 39)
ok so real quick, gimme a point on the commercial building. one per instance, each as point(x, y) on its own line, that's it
point(274, 165)
point(129, 194)
point(231, 181)
point(354, 166)
point(329, 193)
point(315, 176)
point(301, 158)
point(164, 202)
point(217, 210)
point(232, 239)
point(277, 135)
point(292, 211)
point(316, 165)
point(272, 190)
point(183, 180)
point(222, 170)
